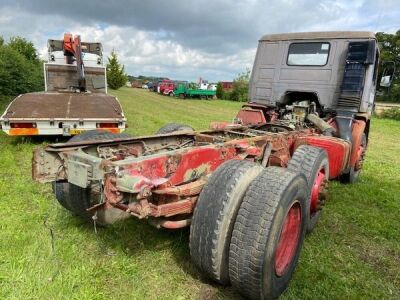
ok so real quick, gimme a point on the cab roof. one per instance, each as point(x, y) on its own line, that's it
point(319, 35)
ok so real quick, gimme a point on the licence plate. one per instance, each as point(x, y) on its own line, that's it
point(75, 131)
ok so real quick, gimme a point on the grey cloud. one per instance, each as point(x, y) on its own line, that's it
point(186, 39)
point(215, 26)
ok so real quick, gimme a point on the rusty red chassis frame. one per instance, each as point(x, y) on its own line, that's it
point(159, 178)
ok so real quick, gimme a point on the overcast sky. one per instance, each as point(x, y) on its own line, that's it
point(213, 39)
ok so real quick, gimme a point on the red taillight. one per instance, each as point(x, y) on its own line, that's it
point(107, 125)
point(23, 125)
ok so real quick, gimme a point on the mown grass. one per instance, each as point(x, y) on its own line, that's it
point(353, 253)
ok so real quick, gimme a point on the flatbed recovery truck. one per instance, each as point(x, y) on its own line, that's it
point(250, 189)
point(182, 90)
point(75, 97)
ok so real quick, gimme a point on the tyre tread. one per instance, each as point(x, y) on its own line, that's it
point(252, 227)
point(209, 217)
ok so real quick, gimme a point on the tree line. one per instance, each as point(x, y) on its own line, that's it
point(20, 67)
point(389, 45)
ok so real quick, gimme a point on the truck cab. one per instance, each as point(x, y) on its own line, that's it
point(330, 77)
point(166, 87)
point(337, 71)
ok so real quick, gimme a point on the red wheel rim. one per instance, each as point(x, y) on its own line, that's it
point(316, 189)
point(288, 240)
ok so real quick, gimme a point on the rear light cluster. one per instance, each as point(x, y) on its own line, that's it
point(107, 125)
point(23, 125)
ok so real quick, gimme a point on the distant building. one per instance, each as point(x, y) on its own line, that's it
point(136, 83)
point(227, 85)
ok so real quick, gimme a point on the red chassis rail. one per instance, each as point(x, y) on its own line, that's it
point(160, 177)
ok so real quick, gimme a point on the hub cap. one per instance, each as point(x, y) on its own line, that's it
point(289, 239)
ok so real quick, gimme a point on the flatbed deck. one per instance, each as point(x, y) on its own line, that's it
point(62, 113)
point(58, 105)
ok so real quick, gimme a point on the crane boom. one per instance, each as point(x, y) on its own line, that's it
point(73, 48)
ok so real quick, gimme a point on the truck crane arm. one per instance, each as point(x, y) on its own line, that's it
point(73, 50)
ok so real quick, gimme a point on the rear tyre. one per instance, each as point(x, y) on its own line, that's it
point(313, 163)
point(79, 201)
point(268, 234)
point(96, 135)
point(60, 190)
point(215, 214)
point(73, 198)
point(173, 127)
point(182, 96)
point(354, 173)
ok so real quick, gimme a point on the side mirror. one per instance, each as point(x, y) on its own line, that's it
point(386, 81)
point(388, 74)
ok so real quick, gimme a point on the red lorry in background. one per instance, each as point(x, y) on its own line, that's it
point(166, 87)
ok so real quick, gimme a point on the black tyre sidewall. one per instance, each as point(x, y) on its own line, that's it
point(60, 190)
point(173, 127)
point(79, 201)
point(353, 175)
point(213, 219)
point(96, 135)
point(273, 285)
point(321, 161)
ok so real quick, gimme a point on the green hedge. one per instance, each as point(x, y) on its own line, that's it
point(392, 113)
point(20, 72)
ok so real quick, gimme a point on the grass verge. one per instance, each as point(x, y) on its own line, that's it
point(353, 253)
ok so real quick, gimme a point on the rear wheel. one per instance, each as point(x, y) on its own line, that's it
point(95, 135)
point(215, 214)
point(182, 96)
point(173, 127)
point(268, 234)
point(60, 190)
point(313, 163)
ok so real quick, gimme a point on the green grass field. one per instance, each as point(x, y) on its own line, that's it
point(354, 253)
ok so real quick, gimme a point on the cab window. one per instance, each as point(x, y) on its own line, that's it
point(308, 54)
